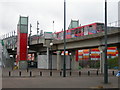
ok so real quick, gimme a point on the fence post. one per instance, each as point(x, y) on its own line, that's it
point(113, 73)
point(79, 73)
point(30, 73)
point(60, 73)
point(9, 73)
point(97, 72)
point(88, 73)
point(50, 73)
point(19, 73)
point(70, 73)
point(40, 73)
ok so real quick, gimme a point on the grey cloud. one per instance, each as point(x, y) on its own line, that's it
point(45, 12)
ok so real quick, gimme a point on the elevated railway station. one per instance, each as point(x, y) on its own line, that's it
point(84, 44)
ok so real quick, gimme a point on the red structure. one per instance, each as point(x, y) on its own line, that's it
point(22, 41)
point(87, 54)
point(80, 31)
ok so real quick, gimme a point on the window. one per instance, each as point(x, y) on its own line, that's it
point(100, 28)
point(72, 31)
point(82, 30)
point(79, 30)
point(86, 31)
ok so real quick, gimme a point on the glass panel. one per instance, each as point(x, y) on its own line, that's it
point(74, 24)
point(86, 31)
point(24, 29)
point(24, 20)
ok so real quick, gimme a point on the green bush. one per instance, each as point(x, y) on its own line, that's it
point(94, 64)
point(113, 62)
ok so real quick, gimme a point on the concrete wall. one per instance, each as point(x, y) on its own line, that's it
point(67, 62)
point(43, 63)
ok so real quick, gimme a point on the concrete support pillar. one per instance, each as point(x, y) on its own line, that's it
point(102, 55)
point(48, 57)
point(58, 60)
point(75, 64)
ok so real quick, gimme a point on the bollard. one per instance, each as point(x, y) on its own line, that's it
point(40, 73)
point(70, 73)
point(97, 72)
point(60, 73)
point(88, 73)
point(79, 73)
point(113, 73)
point(50, 73)
point(30, 73)
point(9, 73)
point(19, 73)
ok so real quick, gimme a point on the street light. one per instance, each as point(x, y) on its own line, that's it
point(70, 60)
point(51, 44)
point(30, 34)
point(27, 47)
point(82, 60)
point(37, 32)
point(105, 58)
point(13, 49)
point(90, 57)
point(95, 59)
point(64, 63)
point(27, 56)
point(53, 26)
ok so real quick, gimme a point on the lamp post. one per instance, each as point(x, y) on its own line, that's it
point(27, 56)
point(105, 58)
point(30, 34)
point(51, 44)
point(37, 32)
point(82, 60)
point(70, 61)
point(90, 59)
point(53, 26)
point(64, 63)
point(95, 59)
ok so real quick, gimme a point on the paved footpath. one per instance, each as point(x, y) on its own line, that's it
point(56, 81)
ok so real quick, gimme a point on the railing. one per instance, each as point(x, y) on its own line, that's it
point(46, 73)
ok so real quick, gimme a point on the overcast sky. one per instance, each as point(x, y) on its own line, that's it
point(45, 11)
